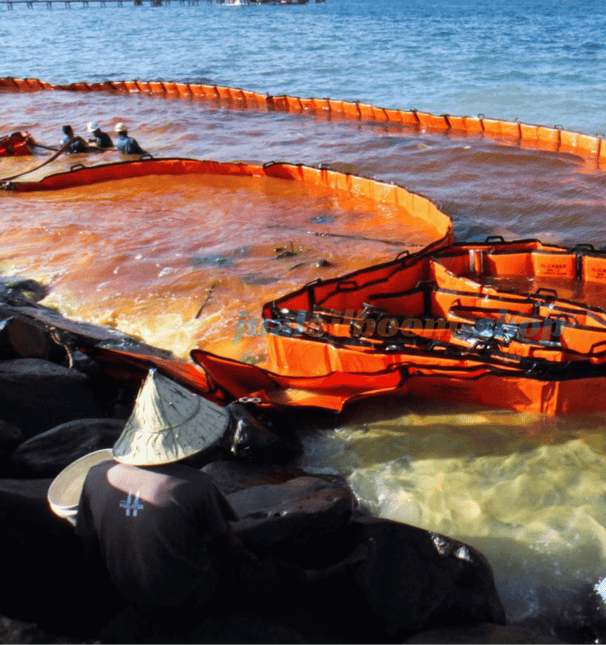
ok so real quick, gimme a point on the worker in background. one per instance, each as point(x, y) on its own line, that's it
point(101, 139)
point(127, 145)
point(77, 145)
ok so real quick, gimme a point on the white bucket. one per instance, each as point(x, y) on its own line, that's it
point(64, 493)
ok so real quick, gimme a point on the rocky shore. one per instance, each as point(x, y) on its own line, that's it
point(391, 583)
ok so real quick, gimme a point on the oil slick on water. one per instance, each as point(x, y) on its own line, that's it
point(528, 491)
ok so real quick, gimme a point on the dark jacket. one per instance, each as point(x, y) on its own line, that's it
point(153, 527)
point(102, 139)
point(78, 145)
point(128, 145)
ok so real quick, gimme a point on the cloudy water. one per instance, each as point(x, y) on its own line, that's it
point(176, 261)
point(526, 490)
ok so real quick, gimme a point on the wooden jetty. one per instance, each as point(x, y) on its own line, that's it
point(9, 4)
point(87, 3)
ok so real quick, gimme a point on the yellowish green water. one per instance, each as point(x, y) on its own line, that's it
point(528, 491)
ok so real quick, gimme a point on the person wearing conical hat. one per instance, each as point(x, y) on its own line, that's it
point(159, 525)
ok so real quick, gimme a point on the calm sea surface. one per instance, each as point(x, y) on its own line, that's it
point(144, 255)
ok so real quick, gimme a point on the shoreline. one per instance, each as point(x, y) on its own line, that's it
point(270, 532)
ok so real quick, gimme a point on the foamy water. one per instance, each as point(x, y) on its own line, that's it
point(525, 490)
point(147, 254)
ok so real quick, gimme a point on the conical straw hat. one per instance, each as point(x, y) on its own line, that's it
point(168, 423)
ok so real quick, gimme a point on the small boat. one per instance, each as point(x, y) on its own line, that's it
point(16, 144)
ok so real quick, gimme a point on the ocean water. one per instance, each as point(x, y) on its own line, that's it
point(539, 61)
point(143, 255)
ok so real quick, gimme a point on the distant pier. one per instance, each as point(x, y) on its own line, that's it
point(9, 4)
point(87, 3)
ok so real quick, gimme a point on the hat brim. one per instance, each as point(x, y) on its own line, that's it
point(64, 492)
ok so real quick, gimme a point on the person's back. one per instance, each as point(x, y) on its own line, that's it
point(125, 144)
point(101, 140)
point(152, 527)
point(77, 145)
point(159, 527)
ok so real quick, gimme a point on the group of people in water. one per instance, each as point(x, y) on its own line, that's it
point(100, 140)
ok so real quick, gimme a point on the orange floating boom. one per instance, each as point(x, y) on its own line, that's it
point(413, 206)
point(527, 135)
point(440, 322)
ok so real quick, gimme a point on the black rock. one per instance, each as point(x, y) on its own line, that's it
point(480, 633)
point(231, 476)
point(37, 395)
point(298, 510)
point(10, 438)
point(23, 338)
point(18, 631)
point(415, 580)
point(20, 292)
point(47, 454)
point(232, 625)
point(254, 437)
point(45, 577)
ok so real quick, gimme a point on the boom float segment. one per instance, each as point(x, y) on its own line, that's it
point(417, 206)
point(432, 325)
point(527, 135)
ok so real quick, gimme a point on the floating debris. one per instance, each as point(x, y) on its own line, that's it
point(219, 260)
point(257, 279)
point(209, 295)
point(285, 253)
